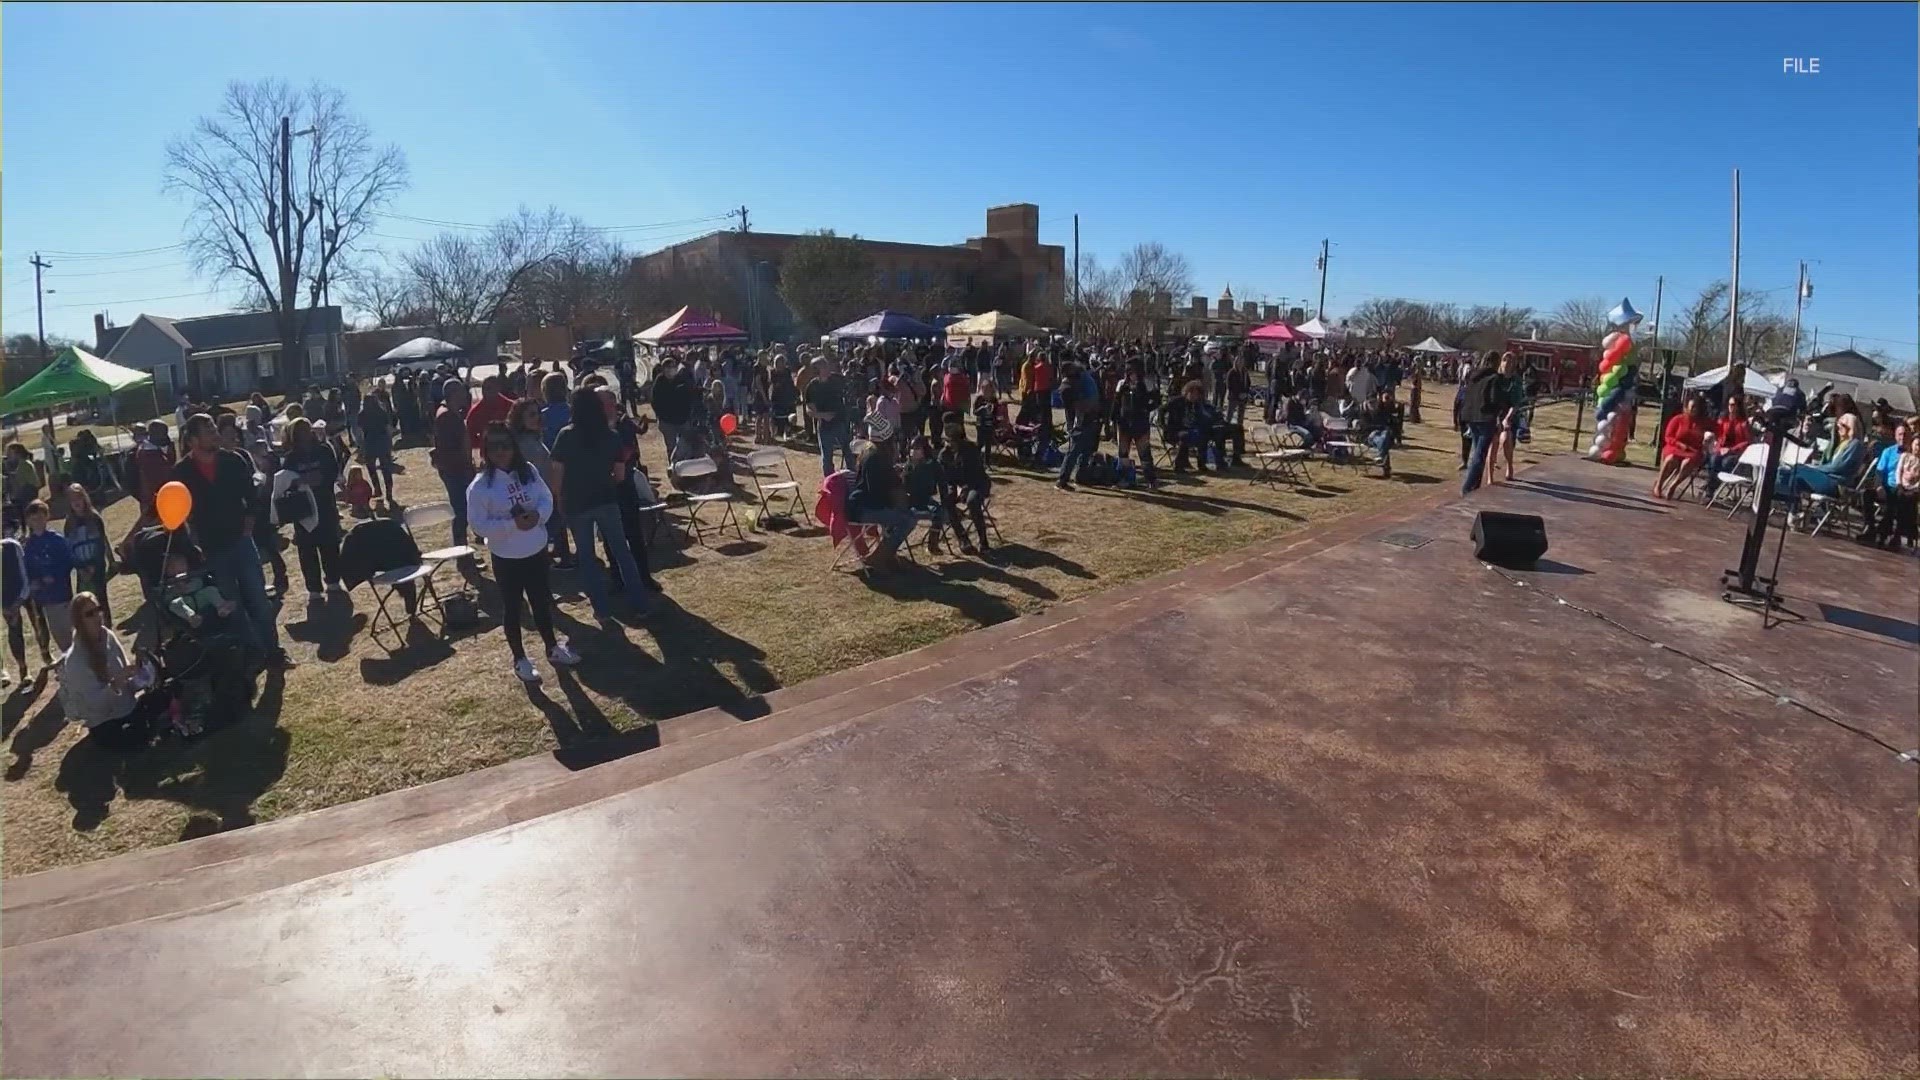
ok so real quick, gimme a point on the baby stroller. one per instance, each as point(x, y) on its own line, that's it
point(204, 671)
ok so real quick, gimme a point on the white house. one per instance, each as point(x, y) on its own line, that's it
point(223, 356)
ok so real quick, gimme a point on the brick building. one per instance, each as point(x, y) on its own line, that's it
point(737, 275)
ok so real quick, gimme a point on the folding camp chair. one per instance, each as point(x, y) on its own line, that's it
point(693, 469)
point(1287, 461)
point(784, 492)
point(387, 554)
point(417, 518)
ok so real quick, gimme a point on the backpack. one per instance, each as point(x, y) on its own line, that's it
point(1097, 470)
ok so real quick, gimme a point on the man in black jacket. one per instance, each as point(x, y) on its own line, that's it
point(221, 483)
point(673, 395)
point(1480, 408)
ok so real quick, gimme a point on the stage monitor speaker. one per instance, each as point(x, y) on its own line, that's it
point(1515, 541)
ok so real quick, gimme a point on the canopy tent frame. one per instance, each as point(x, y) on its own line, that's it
point(74, 375)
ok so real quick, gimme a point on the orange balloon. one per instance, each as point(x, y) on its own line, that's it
point(729, 423)
point(173, 502)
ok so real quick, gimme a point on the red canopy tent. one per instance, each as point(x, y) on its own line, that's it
point(1278, 332)
point(689, 327)
point(1270, 338)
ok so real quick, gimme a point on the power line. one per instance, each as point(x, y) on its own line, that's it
point(106, 255)
point(444, 223)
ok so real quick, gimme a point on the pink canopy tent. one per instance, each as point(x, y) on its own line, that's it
point(1277, 332)
point(689, 327)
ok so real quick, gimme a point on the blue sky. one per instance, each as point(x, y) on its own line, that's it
point(1500, 153)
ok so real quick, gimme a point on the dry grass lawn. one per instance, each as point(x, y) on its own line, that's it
point(744, 618)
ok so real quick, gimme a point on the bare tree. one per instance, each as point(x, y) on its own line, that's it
point(1391, 317)
point(1489, 327)
point(391, 298)
point(1151, 268)
point(1581, 320)
point(280, 228)
point(467, 280)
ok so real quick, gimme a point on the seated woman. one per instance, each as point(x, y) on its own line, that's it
point(1683, 448)
point(1841, 467)
point(963, 471)
point(1732, 434)
point(877, 496)
point(100, 684)
point(1193, 425)
point(924, 483)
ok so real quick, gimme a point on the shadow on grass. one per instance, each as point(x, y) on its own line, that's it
point(688, 676)
point(330, 626)
point(912, 581)
point(217, 778)
point(1024, 557)
point(1414, 478)
point(577, 722)
point(968, 570)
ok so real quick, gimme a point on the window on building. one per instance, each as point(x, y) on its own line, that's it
point(317, 359)
point(904, 280)
point(263, 365)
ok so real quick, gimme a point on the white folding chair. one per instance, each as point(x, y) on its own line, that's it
point(784, 492)
point(693, 469)
point(417, 518)
point(1286, 461)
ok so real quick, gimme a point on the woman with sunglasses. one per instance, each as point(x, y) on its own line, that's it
point(508, 504)
point(97, 682)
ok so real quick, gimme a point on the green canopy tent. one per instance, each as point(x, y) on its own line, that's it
point(74, 375)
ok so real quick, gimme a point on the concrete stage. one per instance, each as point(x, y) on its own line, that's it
point(1328, 807)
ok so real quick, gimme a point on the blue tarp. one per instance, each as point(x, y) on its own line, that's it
point(887, 324)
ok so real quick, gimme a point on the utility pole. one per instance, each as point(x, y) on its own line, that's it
point(39, 300)
point(1321, 311)
point(289, 347)
point(1073, 327)
point(1800, 293)
point(741, 214)
point(1733, 292)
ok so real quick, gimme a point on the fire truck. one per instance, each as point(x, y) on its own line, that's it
point(1556, 367)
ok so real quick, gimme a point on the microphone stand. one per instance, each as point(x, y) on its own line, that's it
point(1745, 587)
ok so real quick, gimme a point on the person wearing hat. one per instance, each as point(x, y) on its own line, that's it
point(878, 497)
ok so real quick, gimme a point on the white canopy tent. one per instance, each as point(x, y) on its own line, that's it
point(1754, 383)
point(1315, 328)
point(1433, 345)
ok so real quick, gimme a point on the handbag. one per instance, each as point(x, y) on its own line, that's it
point(296, 506)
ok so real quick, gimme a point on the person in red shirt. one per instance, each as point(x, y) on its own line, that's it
point(1683, 448)
point(494, 404)
point(1732, 434)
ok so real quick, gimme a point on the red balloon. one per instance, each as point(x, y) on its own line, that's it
point(1621, 346)
point(729, 423)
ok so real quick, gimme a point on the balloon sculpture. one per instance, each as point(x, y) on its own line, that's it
point(173, 502)
point(1613, 394)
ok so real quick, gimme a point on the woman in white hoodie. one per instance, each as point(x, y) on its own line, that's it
point(508, 505)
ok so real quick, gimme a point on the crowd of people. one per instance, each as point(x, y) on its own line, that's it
point(541, 467)
point(1872, 458)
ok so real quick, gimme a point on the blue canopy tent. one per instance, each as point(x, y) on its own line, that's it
point(886, 324)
